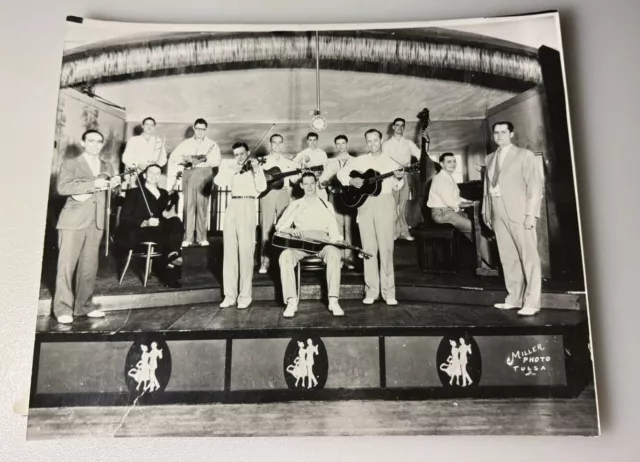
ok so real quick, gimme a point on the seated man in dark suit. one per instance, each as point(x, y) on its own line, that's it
point(144, 218)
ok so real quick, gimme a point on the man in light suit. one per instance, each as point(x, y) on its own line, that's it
point(511, 206)
point(80, 228)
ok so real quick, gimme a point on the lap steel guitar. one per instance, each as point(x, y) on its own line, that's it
point(311, 244)
point(355, 197)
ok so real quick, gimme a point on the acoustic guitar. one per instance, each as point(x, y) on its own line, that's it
point(354, 197)
point(106, 176)
point(275, 177)
point(311, 245)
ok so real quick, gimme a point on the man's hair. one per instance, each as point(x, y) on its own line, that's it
point(508, 124)
point(399, 119)
point(444, 155)
point(278, 135)
point(373, 130)
point(240, 144)
point(88, 132)
point(308, 174)
point(151, 166)
point(149, 118)
point(201, 121)
point(341, 137)
point(310, 134)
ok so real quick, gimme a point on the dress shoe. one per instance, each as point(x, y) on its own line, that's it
point(65, 319)
point(292, 307)
point(368, 301)
point(227, 302)
point(334, 307)
point(244, 305)
point(95, 314)
point(187, 243)
point(349, 264)
point(528, 311)
point(408, 237)
point(263, 269)
point(506, 306)
point(204, 243)
point(392, 301)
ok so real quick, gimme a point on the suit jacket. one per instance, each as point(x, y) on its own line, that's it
point(520, 184)
point(75, 177)
point(134, 211)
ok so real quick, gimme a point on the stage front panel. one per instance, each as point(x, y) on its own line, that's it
point(197, 365)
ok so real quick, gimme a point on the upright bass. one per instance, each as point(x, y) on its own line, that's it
point(416, 206)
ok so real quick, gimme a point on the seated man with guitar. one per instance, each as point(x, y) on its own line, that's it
point(313, 156)
point(246, 180)
point(144, 217)
point(314, 218)
point(375, 175)
point(279, 172)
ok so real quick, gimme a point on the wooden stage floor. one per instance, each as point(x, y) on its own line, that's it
point(265, 317)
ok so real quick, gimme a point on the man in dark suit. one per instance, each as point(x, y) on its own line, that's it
point(144, 218)
point(511, 207)
point(80, 228)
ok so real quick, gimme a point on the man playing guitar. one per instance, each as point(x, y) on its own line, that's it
point(273, 203)
point(376, 218)
point(312, 217)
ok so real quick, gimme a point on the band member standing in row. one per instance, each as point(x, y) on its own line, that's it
point(401, 149)
point(145, 149)
point(311, 217)
point(145, 219)
point(512, 195)
point(80, 229)
point(376, 219)
point(343, 214)
point(275, 201)
point(313, 156)
point(196, 157)
point(445, 202)
point(239, 234)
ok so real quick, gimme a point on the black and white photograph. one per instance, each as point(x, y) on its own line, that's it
point(313, 230)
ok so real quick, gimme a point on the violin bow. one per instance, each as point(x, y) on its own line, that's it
point(256, 146)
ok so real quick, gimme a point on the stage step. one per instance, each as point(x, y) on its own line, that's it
point(202, 354)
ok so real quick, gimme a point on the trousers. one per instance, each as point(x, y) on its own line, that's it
point(79, 252)
point(463, 224)
point(271, 207)
point(289, 258)
point(518, 249)
point(196, 188)
point(401, 196)
point(239, 243)
point(376, 221)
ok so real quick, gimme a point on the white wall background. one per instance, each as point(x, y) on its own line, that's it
point(600, 39)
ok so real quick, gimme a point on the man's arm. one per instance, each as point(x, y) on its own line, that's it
point(225, 175)
point(287, 218)
point(129, 156)
point(334, 232)
point(343, 173)
point(445, 191)
point(534, 184)
point(214, 158)
point(260, 181)
point(68, 184)
point(162, 158)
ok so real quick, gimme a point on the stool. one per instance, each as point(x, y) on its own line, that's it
point(310, 263)
point(438, 247)
point(148, 255)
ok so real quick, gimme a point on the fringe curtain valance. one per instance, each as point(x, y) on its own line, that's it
point(193, 52)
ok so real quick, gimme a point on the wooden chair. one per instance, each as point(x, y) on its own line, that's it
point(149, 254)
point(309, 263)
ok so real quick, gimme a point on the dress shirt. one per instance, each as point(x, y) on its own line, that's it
point(192, 147)
point(316, 157)
point(245, 184)
point(380, 163)
point(401, 150)
point(444, 192)
point(311, 215)
point(501, 155)
point(334, 165)
point(284, 164)
point(94, 163)
point(141, 151)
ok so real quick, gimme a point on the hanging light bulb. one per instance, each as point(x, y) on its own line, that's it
point(318, 123)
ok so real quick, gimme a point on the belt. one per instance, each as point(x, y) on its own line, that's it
point(243, 197)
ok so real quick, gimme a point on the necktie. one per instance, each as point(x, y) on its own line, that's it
point(496, 169)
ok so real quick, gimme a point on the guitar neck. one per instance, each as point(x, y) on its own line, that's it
point(279, 176)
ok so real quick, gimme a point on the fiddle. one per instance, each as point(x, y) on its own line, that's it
point(248, 166)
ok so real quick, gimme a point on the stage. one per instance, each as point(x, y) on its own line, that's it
point(202, 276)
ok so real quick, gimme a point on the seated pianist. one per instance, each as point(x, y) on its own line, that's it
point(144, 218)
point(445, 204)
point(312, 217)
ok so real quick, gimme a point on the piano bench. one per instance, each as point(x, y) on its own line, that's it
point(438, 247)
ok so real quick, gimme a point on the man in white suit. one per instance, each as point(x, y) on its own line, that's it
point(511, 207)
